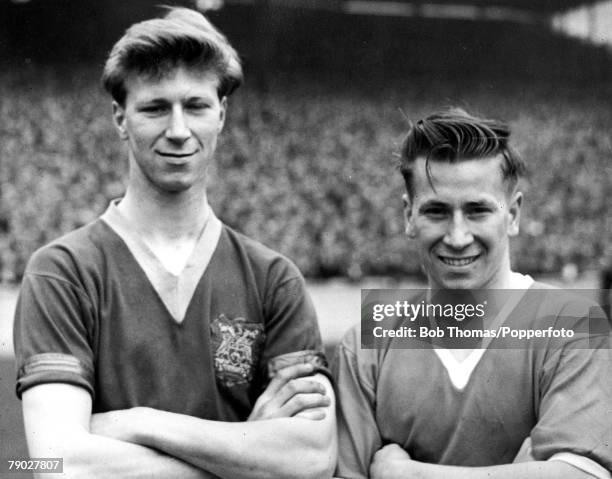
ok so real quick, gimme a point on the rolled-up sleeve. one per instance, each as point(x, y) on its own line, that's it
point(358, 434)
point(575, 413)
point(52, 330)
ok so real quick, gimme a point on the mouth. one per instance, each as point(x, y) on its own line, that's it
point(458, 262)
point(175, 154)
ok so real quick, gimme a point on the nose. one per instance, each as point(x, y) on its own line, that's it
point(458, 234)
point(178, 129)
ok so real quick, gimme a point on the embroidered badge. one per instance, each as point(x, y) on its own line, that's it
point(237, 345)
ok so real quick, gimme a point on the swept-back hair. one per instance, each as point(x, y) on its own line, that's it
point(154, 48)
point(454, 135)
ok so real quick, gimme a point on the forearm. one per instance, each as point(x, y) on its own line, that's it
point(92, 456)
point(57, 419)
point(525, 470)
point(276, 441)
point(260, 449)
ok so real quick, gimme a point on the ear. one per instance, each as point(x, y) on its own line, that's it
point(119, 120)
point(514, 213)
point(222, 112)
point(408, 218)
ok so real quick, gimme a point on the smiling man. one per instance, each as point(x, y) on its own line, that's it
point(156, 341)
point(461, 227)
point(498, 409)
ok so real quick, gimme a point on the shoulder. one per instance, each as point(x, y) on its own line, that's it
point(260, 258)
point(353, 368)
point(351, 341)
point(62, 281)
point(575, 320)
point(350, 354)
point(65, 256)
point(550, 299)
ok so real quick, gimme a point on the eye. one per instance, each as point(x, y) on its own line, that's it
point(153, 109)
point(478, 211)
point(434, 212)
point(197, 106)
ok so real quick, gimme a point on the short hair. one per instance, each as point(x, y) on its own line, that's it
point(454, 135)
point(154, 48)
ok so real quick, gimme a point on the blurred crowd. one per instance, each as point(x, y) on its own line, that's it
point(308, 167)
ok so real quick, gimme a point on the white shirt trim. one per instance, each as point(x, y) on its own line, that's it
point(175, 291)
point(459, 372)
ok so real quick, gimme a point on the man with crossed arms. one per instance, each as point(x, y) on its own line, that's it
point(459, 413)
point(156, 341)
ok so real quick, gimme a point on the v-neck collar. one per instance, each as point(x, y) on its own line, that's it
point(459, 372)
point(175, 291)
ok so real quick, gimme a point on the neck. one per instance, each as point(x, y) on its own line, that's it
point(162, 216)
point(503, 277)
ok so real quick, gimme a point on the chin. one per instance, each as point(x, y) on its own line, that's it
point(174, 187)
point(176, 183)
point(459, 283)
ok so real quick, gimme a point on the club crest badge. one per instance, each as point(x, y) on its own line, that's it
point(237, 345)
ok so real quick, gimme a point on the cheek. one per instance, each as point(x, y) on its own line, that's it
point(139, 135)
point(494, 234)
point(211, 138)
point(209, 131)
point(143, 128)
point(502, 227)
point(427, 233)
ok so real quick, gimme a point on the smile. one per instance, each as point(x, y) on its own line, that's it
point(458, 261)
point(175, 155)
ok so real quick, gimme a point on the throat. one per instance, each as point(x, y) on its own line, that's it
point(173, 256)
point(460, 355)
point(173, 251)
point(171, 230)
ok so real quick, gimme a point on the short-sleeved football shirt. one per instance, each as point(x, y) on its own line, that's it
point(97, 310)
point(478, 412)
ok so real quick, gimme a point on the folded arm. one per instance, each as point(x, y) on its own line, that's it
point(292, 423)
point(278, 437)
point(57, 419)
point(392, 462)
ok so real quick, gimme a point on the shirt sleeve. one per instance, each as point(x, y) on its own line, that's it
point(52, 329)
point(575, 390)
point(358, 434)
point(292, 330)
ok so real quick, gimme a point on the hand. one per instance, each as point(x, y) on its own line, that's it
point(391, 462)
point(524, 454)
point(290, 394)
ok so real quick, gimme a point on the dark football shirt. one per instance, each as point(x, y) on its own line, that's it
point(558, 394)
point(88, 314)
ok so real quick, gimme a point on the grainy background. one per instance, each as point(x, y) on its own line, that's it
point(306, 162)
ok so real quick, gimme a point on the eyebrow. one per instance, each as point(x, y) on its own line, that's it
point(482, 202)
point(469, 204)
point(151, 101)
point(165, 100)
point(433, 203)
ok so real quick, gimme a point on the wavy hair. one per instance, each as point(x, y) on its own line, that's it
point(154, 48)
point(454, 135)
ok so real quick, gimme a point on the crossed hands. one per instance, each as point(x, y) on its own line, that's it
point(290, 393)
point(393, 462)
